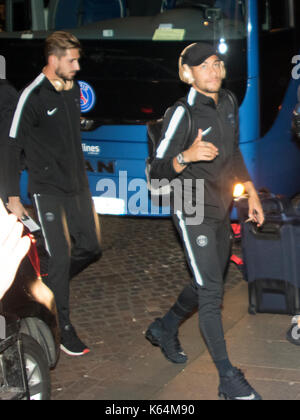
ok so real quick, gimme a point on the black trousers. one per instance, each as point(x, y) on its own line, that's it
point(207, 247)
point(71, 232)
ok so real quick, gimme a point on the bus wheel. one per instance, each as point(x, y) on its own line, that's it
point(37, 370)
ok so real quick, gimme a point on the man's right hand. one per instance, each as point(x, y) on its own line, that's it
point(16, 207)
point(201, 150)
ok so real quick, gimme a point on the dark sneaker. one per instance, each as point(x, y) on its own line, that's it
point(167, 341)
point(234, 387)
point(71, 344)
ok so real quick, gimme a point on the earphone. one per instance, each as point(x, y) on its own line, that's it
point(188, 77)
point(60, 85)
point(185, 73)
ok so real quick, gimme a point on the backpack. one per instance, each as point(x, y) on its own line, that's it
point(154, 132)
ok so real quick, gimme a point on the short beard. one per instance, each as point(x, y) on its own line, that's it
point(63, 77)
point(211, 91)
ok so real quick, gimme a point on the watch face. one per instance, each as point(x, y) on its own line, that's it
point(180, 159)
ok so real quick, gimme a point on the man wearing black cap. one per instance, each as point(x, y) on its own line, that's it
point(217, 161)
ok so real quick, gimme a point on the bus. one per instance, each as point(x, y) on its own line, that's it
point(129, 77)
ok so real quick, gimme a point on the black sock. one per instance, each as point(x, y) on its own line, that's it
point(186, 303)
point(223, 366)
point(171, 321)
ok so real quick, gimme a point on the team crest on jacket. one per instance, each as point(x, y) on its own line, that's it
point(87, 97)
point(202, 241)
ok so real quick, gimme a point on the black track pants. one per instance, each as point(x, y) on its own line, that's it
point(71, 232)
point(207, 248)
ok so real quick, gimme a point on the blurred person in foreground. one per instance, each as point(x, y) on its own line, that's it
point(13, 248)
point(8, 101)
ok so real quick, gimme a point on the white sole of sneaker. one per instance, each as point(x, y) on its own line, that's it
point(70, 353)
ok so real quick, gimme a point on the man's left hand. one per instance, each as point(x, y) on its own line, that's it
point(256, 213)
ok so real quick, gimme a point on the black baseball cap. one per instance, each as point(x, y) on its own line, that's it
point(198, 53)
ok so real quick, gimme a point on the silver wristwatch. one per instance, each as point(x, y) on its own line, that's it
point(180, 160)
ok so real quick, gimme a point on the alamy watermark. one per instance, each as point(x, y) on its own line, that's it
point(187, 196)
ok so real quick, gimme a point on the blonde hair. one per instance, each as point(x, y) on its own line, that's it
point(59, 42)
point(185, 71)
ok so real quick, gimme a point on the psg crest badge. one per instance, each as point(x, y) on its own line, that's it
point(87, 97)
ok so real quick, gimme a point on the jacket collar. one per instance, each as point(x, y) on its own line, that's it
point(46, 83)
point(195, 98)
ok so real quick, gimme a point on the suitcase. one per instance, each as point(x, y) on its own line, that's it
point(272, 258)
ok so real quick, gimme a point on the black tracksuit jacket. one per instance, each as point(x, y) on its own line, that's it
point(46, 127)
point(220, 174)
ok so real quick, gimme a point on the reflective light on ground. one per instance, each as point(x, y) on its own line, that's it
point(107, 205)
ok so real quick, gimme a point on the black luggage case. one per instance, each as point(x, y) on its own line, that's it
point(272, 258)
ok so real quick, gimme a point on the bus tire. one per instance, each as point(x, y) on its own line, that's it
point(37, 369)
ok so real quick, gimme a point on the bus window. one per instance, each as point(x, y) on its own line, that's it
point(17, 15)
point(2, 17)
point(277, 47)
point(144, 8)
point(275, 15)
point(207, 21)
point(136, 57)
point(232, 10)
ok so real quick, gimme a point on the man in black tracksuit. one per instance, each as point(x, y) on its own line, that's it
point(215, 158)
point(46, 127)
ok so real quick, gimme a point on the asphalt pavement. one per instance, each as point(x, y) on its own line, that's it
point(139, 277)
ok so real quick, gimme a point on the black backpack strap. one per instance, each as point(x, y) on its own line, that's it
point(232, 99)
point(189, 121)
point(154, 128)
